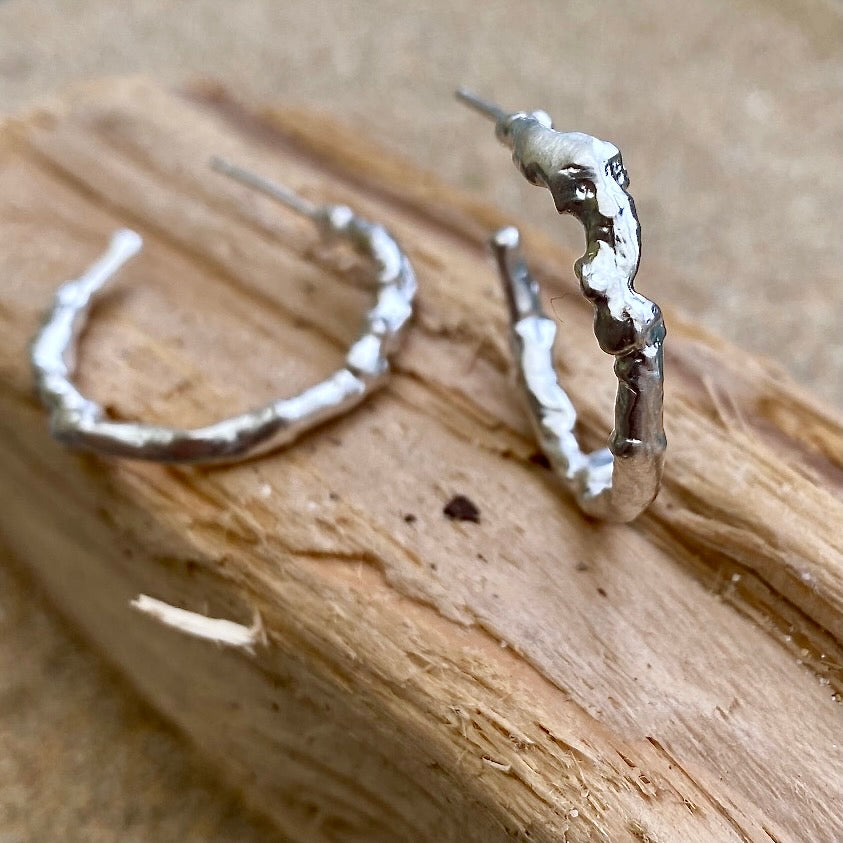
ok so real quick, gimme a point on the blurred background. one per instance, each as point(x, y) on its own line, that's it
point(729, 116)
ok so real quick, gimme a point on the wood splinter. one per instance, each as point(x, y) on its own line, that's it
point(217, 630)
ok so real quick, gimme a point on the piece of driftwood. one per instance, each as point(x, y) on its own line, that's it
point(362, 665)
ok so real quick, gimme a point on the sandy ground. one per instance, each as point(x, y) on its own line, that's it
point(728, 113)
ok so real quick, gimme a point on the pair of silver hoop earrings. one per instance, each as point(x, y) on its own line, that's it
point(586, 178)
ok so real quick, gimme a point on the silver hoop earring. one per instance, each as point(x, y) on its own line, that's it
point(81, 423)
point(586, 178)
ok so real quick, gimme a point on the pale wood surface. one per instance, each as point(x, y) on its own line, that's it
point(669, 678)
point(711, 116)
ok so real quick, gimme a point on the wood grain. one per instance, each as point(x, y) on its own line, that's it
point(533, 676)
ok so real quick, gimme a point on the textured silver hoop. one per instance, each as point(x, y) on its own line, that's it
point(81, 423)
point(586, 178)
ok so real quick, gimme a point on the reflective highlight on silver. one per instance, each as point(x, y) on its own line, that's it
point(81, 423)
point(586, 178)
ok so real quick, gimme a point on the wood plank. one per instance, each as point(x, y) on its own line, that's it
point(532, 676)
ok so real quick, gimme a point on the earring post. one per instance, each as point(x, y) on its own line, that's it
point(484, 107)
point(256, 182)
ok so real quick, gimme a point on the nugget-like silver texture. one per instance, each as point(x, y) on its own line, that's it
point(81, 423)
point(586, 178)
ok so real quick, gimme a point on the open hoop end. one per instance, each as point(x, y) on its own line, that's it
point(126, 242)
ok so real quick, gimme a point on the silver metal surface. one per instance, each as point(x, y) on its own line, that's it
point(81, 423)
point(586, 178)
